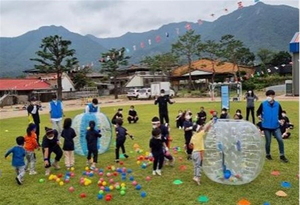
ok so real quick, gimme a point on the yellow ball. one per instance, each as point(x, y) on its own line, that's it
point(123, 185)
point(61, 183)
point(72, 168)
point(86, 183)
point(86, 168)
point(50, 177)
point(58, 180)
point(138, 162)
point(111, 187)
point(104, 183)
point(113, 168)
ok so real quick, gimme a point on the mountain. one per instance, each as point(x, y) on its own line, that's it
point(257, 26)
point(16, 52)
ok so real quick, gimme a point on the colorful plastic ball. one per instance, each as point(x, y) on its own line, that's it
point(104, 183)
point(134, 183)
point(107, 189)
point(72, 174)
point(59, 175)
point(123, 185)
point(100, 196)
point(118, 187)
point(72, 169)
point(111, 181)
point(108, 174)
point(61, 183)
point(91, 174)
point(123, 178)
point(129, 171)
point(41, 180)
point(113, 168)
point(111, 187)
point(86, 168)
point(121, 163)
point(82, 195)
point(115, 173)
point(138, 162)
point(131, 178)
point(138, 187)
point(227, 174)
point(144, 166)
point(57, 180)
point(102, 188)
point(100, 192)
point(71, 189)
point(67, 180)
point(100, 170)
point(143, 194)
point(122, 192)
point(100, 173)
point(123, 188)
point(148, 178)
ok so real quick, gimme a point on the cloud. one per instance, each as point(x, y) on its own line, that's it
point(110, 18)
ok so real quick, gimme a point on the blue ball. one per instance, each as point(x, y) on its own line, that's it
point(68, 173)
point(129, 171)
point(131, 178)
point(143, 194)
point(100, 170)
point(106, 189)
point(123, 178)
point(123, 174)
point(138, 187)
point(100, 196)
point(83, 173)
point(91, 174)
point(227, 174)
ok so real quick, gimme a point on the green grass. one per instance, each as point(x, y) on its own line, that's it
point(160, 190)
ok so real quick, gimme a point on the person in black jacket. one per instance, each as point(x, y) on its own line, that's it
point(92, 136)
point(118, 115)
point(132, 115)
point(162, 102)
point(201, 117)
point(33, 110)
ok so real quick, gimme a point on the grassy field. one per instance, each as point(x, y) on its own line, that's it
point(160, 190)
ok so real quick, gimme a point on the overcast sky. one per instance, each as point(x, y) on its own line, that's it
point(111, 18)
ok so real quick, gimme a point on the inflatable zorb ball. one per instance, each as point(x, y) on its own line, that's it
point(81, 123)
point(234, 152)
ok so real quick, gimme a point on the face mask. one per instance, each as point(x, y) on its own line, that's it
point(131, 109)
point(180, 113)
point(120, 112)
point(283, 115)
point(51, 138)
point(238, 113)
point(162, 94)
point(223, 112)
point(269, 99)
point(188, 117)
point(249, 91)
point(154, 126)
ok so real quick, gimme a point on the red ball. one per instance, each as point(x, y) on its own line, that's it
point(59, 175)
point(82, 195)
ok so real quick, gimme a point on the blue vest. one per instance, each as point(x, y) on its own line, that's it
point(270, 118)
point(92, 108)
point(56, 111)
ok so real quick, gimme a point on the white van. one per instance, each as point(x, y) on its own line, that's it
point(144, 93)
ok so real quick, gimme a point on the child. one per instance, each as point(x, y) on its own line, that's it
point(236, 117)
point(284, 128)
point(165, 137)
point(179, 121)
point(201, 117)
point(238, 112)
point(51, 145)
point(132, 115)
point(92, 107)
point(92, 136)
point(68, 134)
point(156, 149)
point(18, 158)
point(197, 145)
point(121, 133)
point(224, 114)
point(118, 115)
point(188, 132)
point(30, 145)
point(287, 120)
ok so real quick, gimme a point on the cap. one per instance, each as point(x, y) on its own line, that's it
point(120, 109)
point(155, 119)
point(33, 99)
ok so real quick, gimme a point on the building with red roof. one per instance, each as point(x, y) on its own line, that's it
point(16, 91)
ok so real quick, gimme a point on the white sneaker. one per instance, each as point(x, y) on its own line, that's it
point(47, 172)
point(32, 172)
point(158, 172)
point(179, 127)
point(153, 172)
point(197, 180)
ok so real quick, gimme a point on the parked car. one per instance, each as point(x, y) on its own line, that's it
point(144, 93)
point(133, 93)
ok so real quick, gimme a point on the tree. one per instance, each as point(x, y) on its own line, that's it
point(188, 45)
point(55, 57)
point(111, 62)
point(80, 78)
point(164, 62)
point(265, 57)
point(212, 49)
point(230, 49)
point(282, 57)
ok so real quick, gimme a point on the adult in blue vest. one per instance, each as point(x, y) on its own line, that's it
point(269, 112)
point(56, 114)
point(92, 107)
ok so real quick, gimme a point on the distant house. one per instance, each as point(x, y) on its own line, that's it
point(51, 78)
point(16, 91)
point(203, 70)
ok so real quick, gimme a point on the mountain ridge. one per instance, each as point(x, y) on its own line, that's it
point(258, 26)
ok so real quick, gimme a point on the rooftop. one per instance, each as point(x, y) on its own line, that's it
point(23, 84)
